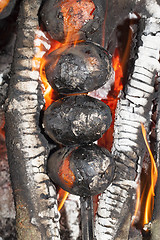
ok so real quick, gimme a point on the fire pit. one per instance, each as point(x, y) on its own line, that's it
point(130, 102)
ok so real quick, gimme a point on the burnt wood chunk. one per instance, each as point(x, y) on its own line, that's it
point(63, 18)
point(77, 120)
point(78, 69)
point(84, 170)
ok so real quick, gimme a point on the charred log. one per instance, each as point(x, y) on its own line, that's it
point(78, 69)
point(6, 8)
point(83, 170)
point(35, 198)
point(105, 18)
point(77, 120)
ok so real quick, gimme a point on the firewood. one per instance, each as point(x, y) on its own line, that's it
point(37, 215)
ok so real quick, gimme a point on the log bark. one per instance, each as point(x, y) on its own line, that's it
point(37, 216)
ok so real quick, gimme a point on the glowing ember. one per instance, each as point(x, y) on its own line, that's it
point(76, 14)
point(142, 198)
point(3, 4)
point(112, 99)
point(66, 174)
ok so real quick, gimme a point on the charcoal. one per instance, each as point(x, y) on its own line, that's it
point(63, 18)
point(83, 170)
point(77, 120)
point(78, 69)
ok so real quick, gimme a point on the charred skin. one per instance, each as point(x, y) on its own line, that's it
point(84, 170)
point(8, 15)
point(78, 69)
point(77, 120)
point(61, 18)
point(6, 8)
point(3, 4)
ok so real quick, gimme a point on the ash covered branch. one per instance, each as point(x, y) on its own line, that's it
point(128, 147)
point(35, 198)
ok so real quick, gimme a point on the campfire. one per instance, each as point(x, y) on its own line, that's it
point(81, 104)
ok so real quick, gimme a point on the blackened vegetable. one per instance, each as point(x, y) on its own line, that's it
point(77, 120)
point(83, 170)
point(78, 69)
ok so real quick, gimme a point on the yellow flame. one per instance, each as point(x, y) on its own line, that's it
point(149, 202)
point(154, 176)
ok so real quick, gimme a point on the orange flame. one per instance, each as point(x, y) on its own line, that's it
point(141, 198)
point(76, 14)
point(3, 4)
point(154, 175)
point(38, 64)
point(112, 99)
point(62, 196)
